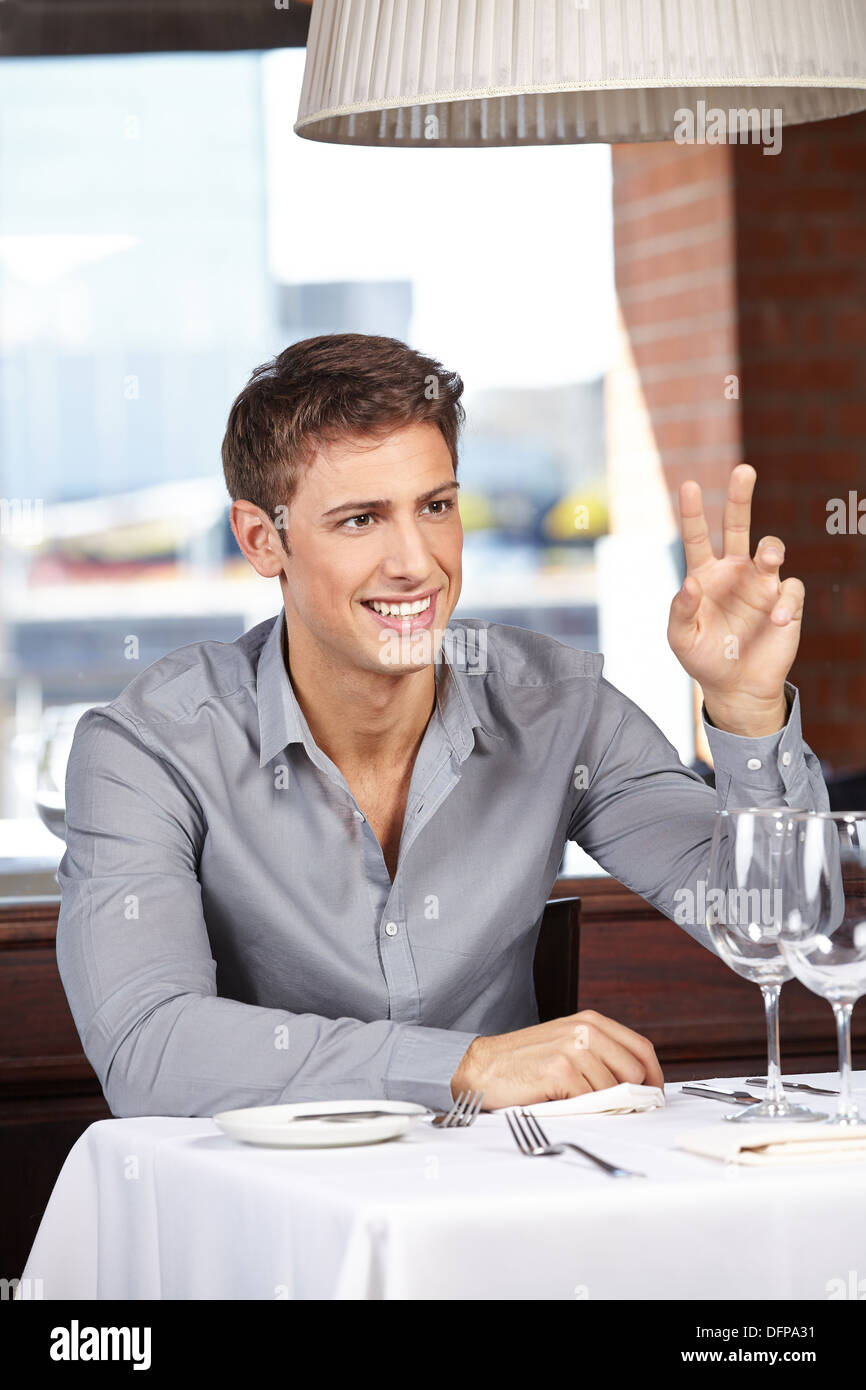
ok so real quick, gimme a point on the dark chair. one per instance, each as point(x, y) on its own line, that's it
point(847, 790)
point(555, 969)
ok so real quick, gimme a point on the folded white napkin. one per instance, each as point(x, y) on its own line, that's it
point(616, 1100)
point(766, 1145)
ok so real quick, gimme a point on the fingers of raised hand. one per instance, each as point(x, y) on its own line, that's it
point(738, 509)
point(789, 604)
point(769, 555)
point(683, 610)
point(693, 526)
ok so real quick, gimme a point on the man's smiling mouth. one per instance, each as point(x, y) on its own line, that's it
point(404, 613)
point(402, 609)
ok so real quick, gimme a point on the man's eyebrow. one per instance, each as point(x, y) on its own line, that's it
point(382, 504)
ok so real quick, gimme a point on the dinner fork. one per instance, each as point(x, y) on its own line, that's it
point(463, 1112)
point(532, 1141)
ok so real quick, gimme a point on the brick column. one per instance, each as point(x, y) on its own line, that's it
point(801, 287)
point(732, 263)
point(674, 250)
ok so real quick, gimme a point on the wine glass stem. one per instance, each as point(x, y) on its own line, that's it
point(843, 1033)
point(775, 1093)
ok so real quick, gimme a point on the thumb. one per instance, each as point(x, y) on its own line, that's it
point(684, 608)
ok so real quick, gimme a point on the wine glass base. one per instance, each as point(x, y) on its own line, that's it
point(851, 1118)
point(786, 1112)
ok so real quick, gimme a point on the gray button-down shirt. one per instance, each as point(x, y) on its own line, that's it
point(229, 934)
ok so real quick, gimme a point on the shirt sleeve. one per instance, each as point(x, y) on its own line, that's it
point(648, 819)
point(779, 768)
point(136, 962)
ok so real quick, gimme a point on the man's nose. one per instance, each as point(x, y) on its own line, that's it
point(406, 550)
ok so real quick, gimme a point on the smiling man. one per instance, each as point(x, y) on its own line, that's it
point(311, 864)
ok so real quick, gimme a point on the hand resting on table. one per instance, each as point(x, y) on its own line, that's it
point(556, 1060)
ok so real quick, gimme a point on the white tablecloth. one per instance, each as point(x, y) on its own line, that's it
point(171, 1208)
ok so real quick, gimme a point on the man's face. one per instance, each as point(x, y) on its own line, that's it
point(375, 521)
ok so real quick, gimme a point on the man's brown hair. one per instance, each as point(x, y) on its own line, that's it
point(350, 384)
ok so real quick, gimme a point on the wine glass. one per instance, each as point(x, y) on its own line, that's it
point(823, 925)
point(743, 915)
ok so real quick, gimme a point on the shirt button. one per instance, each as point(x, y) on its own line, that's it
point(786, 759)
point(753, 764)
point(359, 815)
point(391, 928)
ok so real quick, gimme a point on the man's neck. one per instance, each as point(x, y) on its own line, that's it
point(360, 720)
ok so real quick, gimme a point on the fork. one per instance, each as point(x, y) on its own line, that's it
point(532, 1141)
point(463, 1112)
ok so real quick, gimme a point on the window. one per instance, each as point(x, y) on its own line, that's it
point(162, 232)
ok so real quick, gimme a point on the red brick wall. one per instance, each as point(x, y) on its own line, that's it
point(801, 288)
point(674, 248)
point(729, 261)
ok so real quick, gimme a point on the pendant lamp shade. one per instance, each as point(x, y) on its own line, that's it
point(537, 72)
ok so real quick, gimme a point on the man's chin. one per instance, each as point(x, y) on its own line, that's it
point(405, 652)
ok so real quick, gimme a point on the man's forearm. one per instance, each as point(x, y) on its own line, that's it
point(197, 1054)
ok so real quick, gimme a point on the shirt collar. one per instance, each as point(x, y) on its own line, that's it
point(456, 708)
point(281, 719)
point(279, 711)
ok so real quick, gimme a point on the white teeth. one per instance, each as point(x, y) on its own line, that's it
point(401, 610)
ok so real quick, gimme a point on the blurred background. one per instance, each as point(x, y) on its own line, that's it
point(162, 232)
point(623, 317)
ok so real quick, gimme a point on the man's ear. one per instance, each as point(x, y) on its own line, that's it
point(257, 538)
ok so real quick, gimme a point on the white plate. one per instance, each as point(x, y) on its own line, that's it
point(273, 1127)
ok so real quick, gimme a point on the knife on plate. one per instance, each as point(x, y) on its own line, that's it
point(340, 1115)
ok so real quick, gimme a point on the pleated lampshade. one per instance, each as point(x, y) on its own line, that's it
point(535, 72)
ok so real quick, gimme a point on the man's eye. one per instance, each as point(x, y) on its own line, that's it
point(446, 503)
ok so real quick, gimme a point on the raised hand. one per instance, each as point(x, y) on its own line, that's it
point(734, 625)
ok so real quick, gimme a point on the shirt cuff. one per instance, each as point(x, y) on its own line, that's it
point(424, 1061)
point(753, 771)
